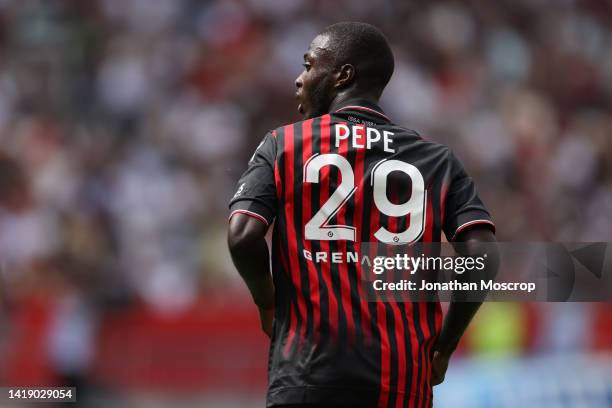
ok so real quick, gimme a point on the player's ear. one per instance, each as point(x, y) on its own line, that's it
point(345, 76)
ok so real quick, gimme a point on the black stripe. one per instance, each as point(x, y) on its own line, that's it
point(385, 221)
point(431, 322)
point(393, 374)
point(435, 203)
point(417, 326)
point(437, 233)
point(298, 225)
point(333, 182)
point(285, 296)
point(281, 226)
point(299, 318)
point(368, 205)
point(402, 225)
point(350, 247)
point(315, 204)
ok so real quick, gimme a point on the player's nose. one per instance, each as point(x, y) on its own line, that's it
point(299, 82)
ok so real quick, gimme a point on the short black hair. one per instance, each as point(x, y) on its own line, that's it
point(366, 48)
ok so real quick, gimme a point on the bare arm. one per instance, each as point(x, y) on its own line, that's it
point(474, 242)
point(249, 250)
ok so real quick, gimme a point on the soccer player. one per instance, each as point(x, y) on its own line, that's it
point(344, 176)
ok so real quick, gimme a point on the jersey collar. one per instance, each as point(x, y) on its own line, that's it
point(361, 105)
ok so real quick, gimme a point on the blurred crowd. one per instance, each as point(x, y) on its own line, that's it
point(124, 125)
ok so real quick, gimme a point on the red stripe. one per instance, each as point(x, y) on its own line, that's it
point(385, 356)
point(414, 350)
point(325, 266)
point(345, 285)
point(401, 355)
point(385, 348)
point(410, 333)
point(277, 178)
point(292, 317)
point(398, 332)
point(357, 222)
point(438, 323)
point(289, 209)
point(426, 368)
point(306, 216)
point(432, 341)
point(424, 348)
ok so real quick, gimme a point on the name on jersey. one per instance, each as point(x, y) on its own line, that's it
point(364, 137)
point(336, 257)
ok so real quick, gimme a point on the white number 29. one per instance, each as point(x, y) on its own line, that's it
point(318, 227)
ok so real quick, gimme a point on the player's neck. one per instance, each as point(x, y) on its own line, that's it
point(351, 94)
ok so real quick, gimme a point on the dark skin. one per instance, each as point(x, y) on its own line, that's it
point(473, 242)
point(324, 83)
point(249, 250)
point(321, 85)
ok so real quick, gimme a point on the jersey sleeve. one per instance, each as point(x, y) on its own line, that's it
point(256, 191)
point(463, 208)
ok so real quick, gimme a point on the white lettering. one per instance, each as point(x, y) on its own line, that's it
point(357, 135)
point(370, 139)
point(340, 136)
point(307, 255)
point(387, 141)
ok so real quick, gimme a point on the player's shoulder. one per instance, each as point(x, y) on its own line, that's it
point(425, 143)
point(298, 125)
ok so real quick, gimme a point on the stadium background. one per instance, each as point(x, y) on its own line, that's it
point(124, 125)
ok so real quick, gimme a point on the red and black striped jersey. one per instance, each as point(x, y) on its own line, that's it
point(330, 184)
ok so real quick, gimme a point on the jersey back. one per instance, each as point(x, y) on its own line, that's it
point(331, 184)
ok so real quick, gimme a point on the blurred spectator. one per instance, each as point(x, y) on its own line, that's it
point(124, 125)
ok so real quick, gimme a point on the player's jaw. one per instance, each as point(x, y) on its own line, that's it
point(315, 86)
point(314, 96)
point(300, 107)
